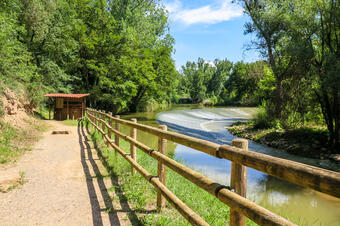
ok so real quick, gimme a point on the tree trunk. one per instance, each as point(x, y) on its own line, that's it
point(336, 110)
point(278, 99)
point(136, 99)
point(327, 115)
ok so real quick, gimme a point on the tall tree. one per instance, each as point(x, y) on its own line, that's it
point(301, 43)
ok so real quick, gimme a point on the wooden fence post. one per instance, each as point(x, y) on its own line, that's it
point(109, 131)
point(116, 136)
point(133, 135)
point(95, 117)
point(161, 170)
point(238, 182)
point(103, 125)
point(98, 116)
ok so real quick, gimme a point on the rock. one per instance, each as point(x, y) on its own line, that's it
point(10, 110)
point(335, 157)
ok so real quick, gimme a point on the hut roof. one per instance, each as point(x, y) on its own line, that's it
point(65, 95)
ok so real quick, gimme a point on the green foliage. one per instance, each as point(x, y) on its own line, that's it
point(119, 52)
point(13, 54)
point(201, 79)
point(226, 83)
point(300, 41)
point(244, 82)
point(266, 85)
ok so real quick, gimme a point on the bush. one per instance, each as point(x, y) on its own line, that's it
point(262, 120)
point(151, 105)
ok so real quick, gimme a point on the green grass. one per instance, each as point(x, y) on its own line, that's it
point(309, 140)
point(8, 151)
point(70, 122)
point(14, 142)
point(42, 114)
point(142, 195)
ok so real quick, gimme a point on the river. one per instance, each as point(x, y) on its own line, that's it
point(298, 204)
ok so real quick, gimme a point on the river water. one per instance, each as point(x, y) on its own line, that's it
point(300, 205)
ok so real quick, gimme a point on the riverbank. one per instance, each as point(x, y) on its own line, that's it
point(306, 141)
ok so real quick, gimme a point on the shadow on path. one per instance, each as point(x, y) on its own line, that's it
point(89, 163)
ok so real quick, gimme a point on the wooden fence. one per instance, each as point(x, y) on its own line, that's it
point(322, 180)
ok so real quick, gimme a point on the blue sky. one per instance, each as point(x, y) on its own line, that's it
point(209, 29)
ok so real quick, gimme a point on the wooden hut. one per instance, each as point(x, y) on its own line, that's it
point(67, 106)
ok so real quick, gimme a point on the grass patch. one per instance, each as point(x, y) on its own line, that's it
point(70, 122)
point(8, 151)
point(309, 140)
point(41, 114)
point(14, 142)
point(142, 195)
point(36, 125)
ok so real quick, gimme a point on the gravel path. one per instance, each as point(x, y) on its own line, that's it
point(65, 184)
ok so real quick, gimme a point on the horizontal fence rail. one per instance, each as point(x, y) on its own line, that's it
point(319, 179)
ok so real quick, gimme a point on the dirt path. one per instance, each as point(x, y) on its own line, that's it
point(65, 184)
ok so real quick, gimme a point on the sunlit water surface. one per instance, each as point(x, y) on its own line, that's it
point(300, 205)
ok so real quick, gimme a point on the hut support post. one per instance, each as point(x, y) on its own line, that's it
point(161, 170)
point(49, 109)
point(82, 107)
point(67, 111)
point(238, 182)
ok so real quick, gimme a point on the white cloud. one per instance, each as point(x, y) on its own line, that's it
point(173, 6)
point(209, 14)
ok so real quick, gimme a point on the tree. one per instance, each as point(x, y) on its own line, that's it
point(118, 51)
point(269, 21)
point(300, 41)
point(324, 42)
point(220, 75)
point(197, 77)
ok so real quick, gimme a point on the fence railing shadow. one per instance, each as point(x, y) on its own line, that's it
point(89, 164)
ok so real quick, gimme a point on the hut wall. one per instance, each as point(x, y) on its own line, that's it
point(72, 107)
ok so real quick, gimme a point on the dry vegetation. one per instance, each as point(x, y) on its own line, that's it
point(19, 129)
